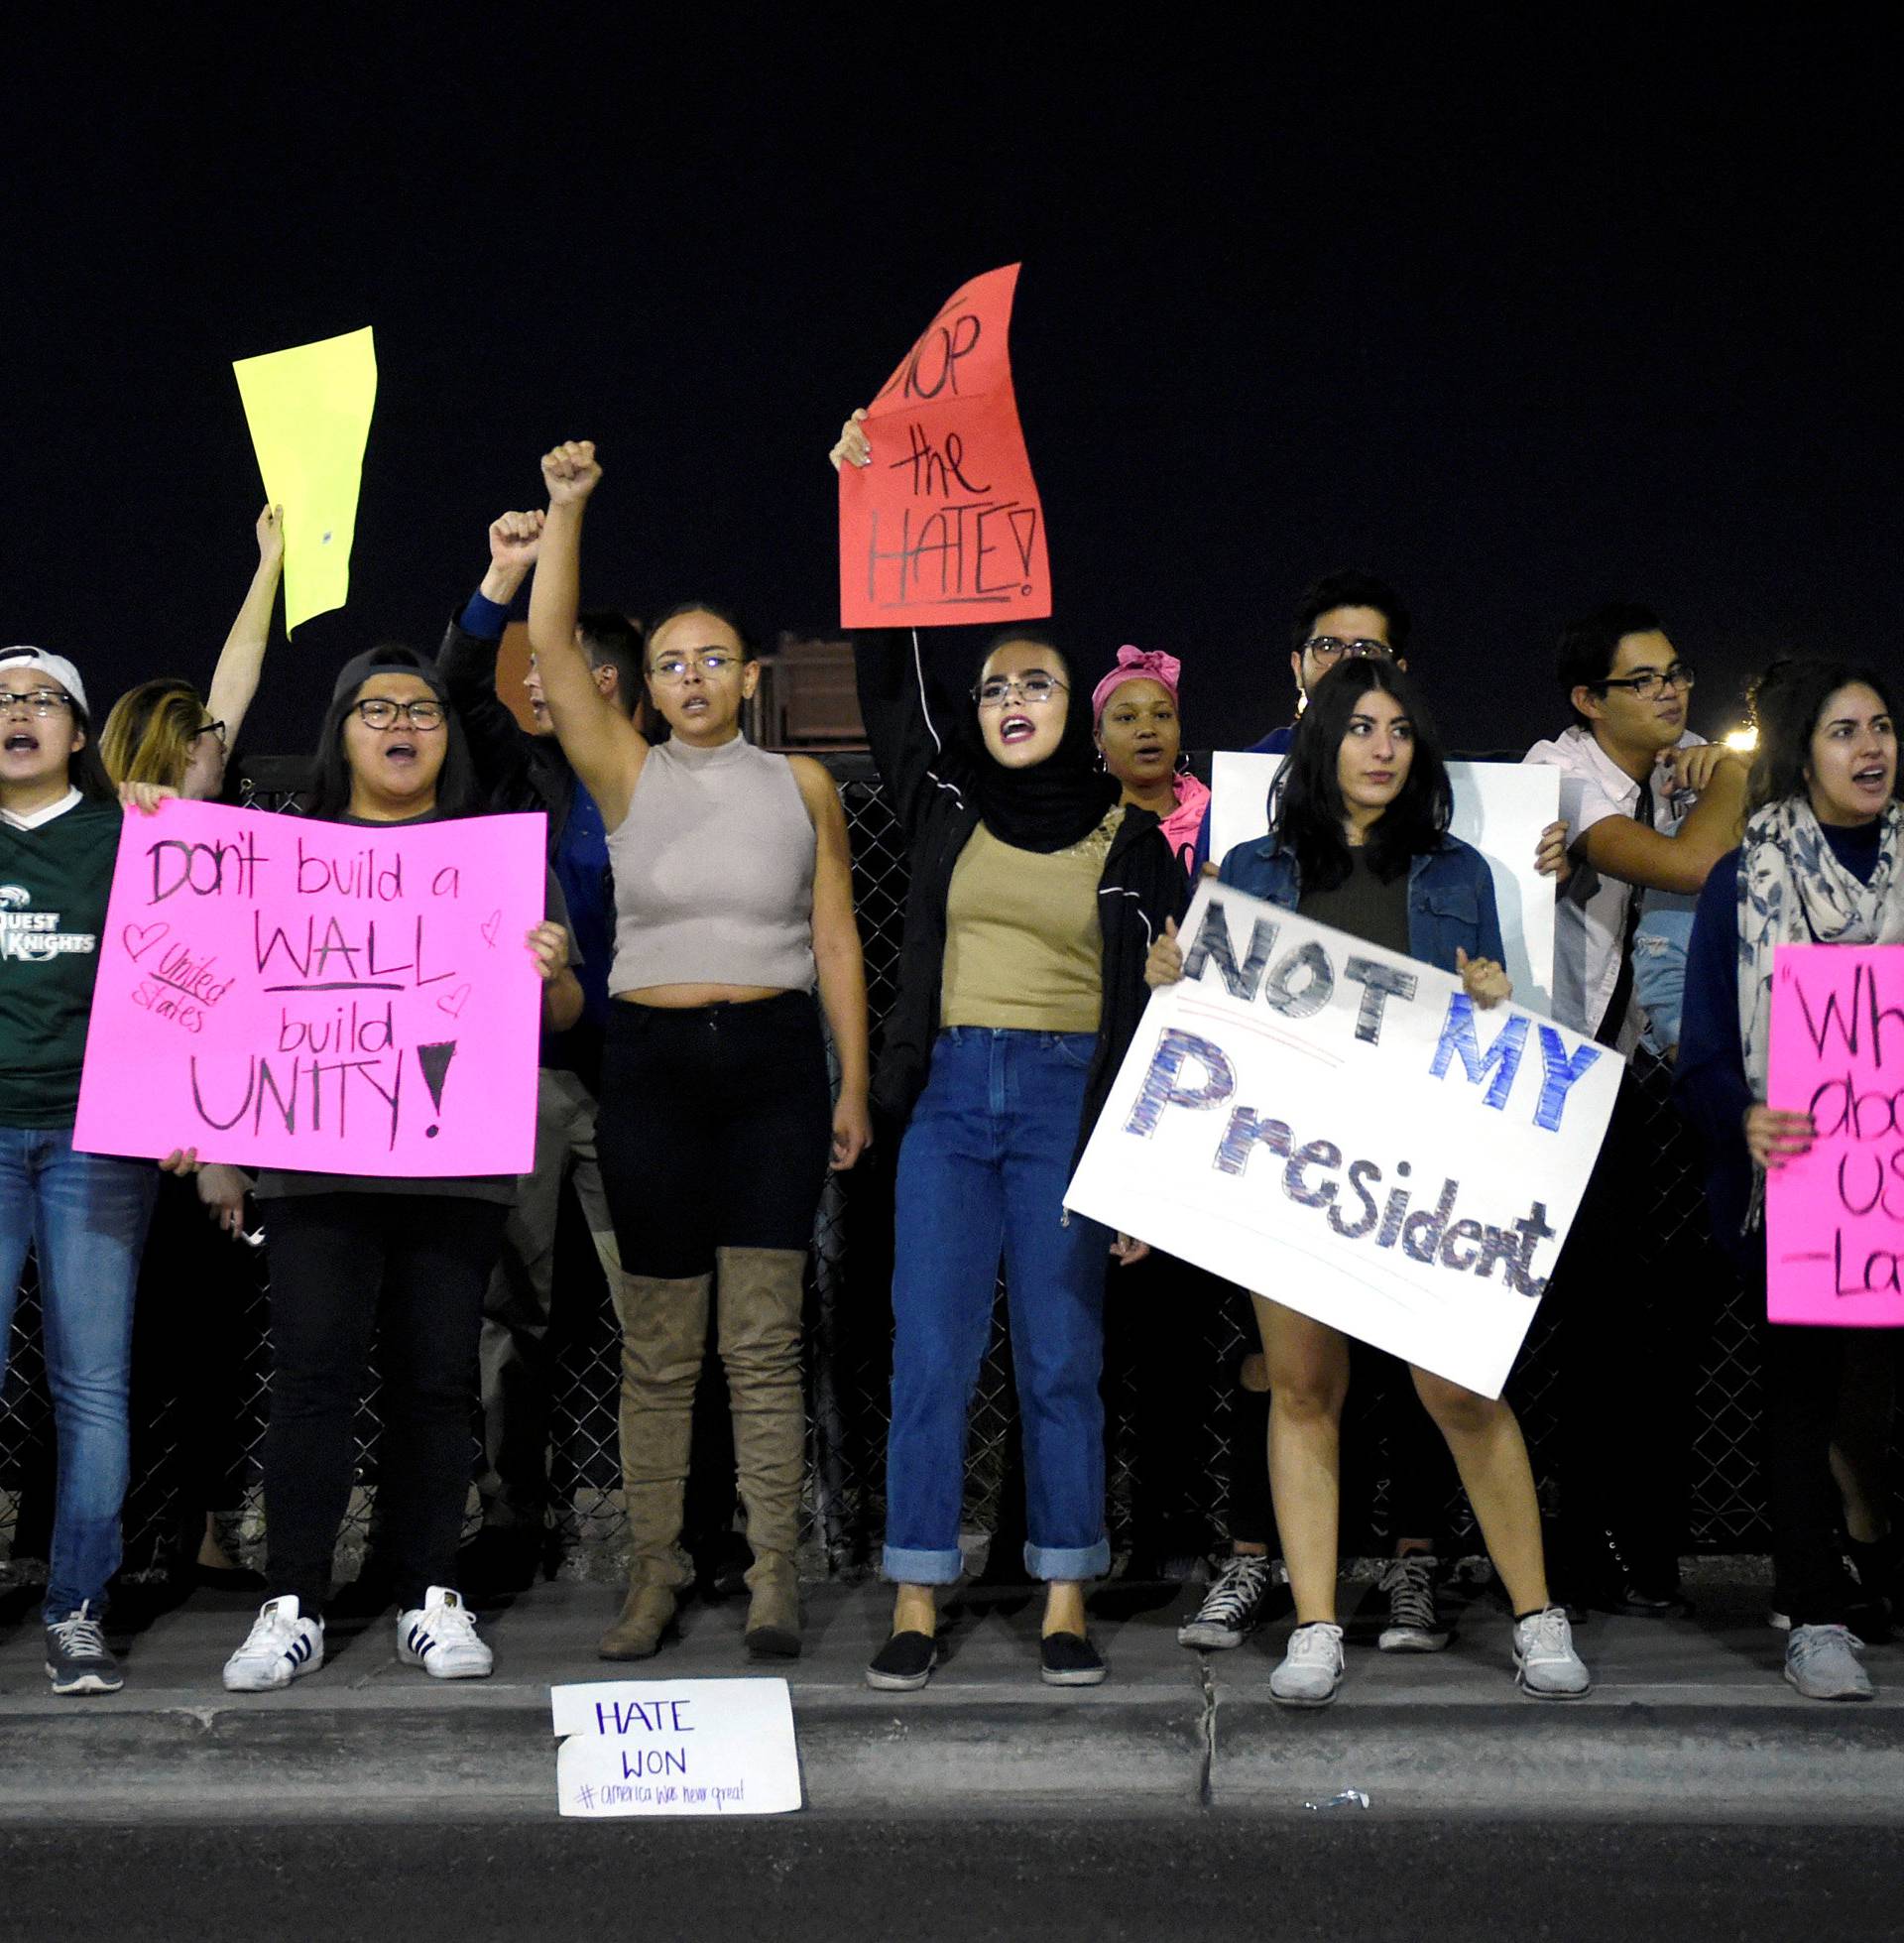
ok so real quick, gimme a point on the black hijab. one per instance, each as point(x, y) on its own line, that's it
point(1054, 803)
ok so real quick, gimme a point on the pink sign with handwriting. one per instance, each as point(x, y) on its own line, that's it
point(282, 993)
point(1834, 1217)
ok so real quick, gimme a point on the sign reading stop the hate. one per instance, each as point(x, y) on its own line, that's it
point(349, 999)
point(1835, 1216)
point(944, 526)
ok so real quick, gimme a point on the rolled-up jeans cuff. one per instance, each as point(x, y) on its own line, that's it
point(1068, 1563)
point(901, 1567)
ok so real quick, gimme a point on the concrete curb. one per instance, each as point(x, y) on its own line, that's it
point(254, 1762)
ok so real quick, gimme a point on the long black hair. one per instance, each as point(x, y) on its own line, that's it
point(1787, 701)
point(86, 767)
point(458, 793)
point(1306, 806)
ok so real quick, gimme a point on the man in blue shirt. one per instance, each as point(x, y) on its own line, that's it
point(525, 772)
point(1340, 615)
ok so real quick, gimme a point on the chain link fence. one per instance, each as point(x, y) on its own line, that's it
point(1174, 1344)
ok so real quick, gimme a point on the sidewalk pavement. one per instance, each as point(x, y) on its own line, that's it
point(1687, 1720)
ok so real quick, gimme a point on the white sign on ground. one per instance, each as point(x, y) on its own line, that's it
point(1500, 808)
point(1342, 1130)
point(676, 1748)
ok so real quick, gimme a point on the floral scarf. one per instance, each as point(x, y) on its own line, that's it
point(1792, 889)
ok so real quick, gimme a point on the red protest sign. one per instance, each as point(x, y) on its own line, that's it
point(945, 526)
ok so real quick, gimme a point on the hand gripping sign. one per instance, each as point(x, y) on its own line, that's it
point(339, 998)
point(1342, 1130)
point(1834, 1217)
point(945, 526)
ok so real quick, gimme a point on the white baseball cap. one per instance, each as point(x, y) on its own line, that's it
point(56, 666)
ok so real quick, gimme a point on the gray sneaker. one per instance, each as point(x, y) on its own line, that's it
point(79, 1660)
point(1311, 1672)
point(1545, 1662)
point(1232, 1606)
point(1415, 1624)
point(1821, 1662)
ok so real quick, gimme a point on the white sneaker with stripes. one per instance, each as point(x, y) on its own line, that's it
point(439, 1635)
point(280, 1645)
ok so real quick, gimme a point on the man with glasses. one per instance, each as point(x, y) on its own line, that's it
point(1652, 807)
point(1342, 616)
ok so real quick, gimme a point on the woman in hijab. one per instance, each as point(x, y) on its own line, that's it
point(1034, 895)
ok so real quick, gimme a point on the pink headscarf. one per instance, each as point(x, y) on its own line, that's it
point(1137, 665)
point(1141, 664)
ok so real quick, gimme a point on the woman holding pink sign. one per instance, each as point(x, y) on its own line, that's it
point(1822, 863)
point(1359, 840)
point(408, 1258)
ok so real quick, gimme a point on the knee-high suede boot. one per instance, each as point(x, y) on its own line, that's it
point(759, 1308)
point(663, 1335)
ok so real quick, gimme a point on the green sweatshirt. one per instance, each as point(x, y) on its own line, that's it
point(54, 884)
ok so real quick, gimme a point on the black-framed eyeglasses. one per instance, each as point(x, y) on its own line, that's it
point(41, 701)
point(380, 712)
point(1332, 647)
point(1034, 689)
point(1649, 682)
point(210, 728)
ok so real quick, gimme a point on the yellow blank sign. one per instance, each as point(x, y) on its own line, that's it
point(308, 410)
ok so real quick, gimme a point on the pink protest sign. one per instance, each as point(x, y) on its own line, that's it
point(1835, 1218)
point(945, 526)
point(343, 999)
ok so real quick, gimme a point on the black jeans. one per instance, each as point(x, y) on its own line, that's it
point(1629, 1336)
point(713, 1130)
point(1803, 1370)
point(341, 1265)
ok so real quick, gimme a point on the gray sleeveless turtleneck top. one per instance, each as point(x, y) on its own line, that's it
point(714, 872)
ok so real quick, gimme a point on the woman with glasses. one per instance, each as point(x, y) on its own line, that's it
point(1822, 863)
point(408, 1258)
point(83, 1215)
point(1359, 841)
point(733, 899)
point(1035, 892)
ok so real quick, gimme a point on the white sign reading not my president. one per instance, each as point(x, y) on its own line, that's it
point(1342, 1128)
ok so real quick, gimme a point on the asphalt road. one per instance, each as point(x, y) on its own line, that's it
point(1347, 1875)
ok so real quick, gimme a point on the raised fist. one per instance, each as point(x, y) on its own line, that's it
point(571, 472)
point(514, 540)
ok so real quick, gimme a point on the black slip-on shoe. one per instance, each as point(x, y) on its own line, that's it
point(1069, 1659)
point(904, 1663)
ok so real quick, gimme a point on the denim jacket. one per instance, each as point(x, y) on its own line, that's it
point(1451, 896)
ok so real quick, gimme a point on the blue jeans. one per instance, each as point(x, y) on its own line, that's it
point(84, 1216)
point(983, 1168)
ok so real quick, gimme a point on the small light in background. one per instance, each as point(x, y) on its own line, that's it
point(1745, 739)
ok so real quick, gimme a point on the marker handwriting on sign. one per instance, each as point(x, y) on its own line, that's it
point(334, 1000)
point(1297, 984)
point(946, 524)
point(1467, 1246)
point(1836, 1217)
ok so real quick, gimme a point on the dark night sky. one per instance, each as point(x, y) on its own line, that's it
point(1522, 320)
